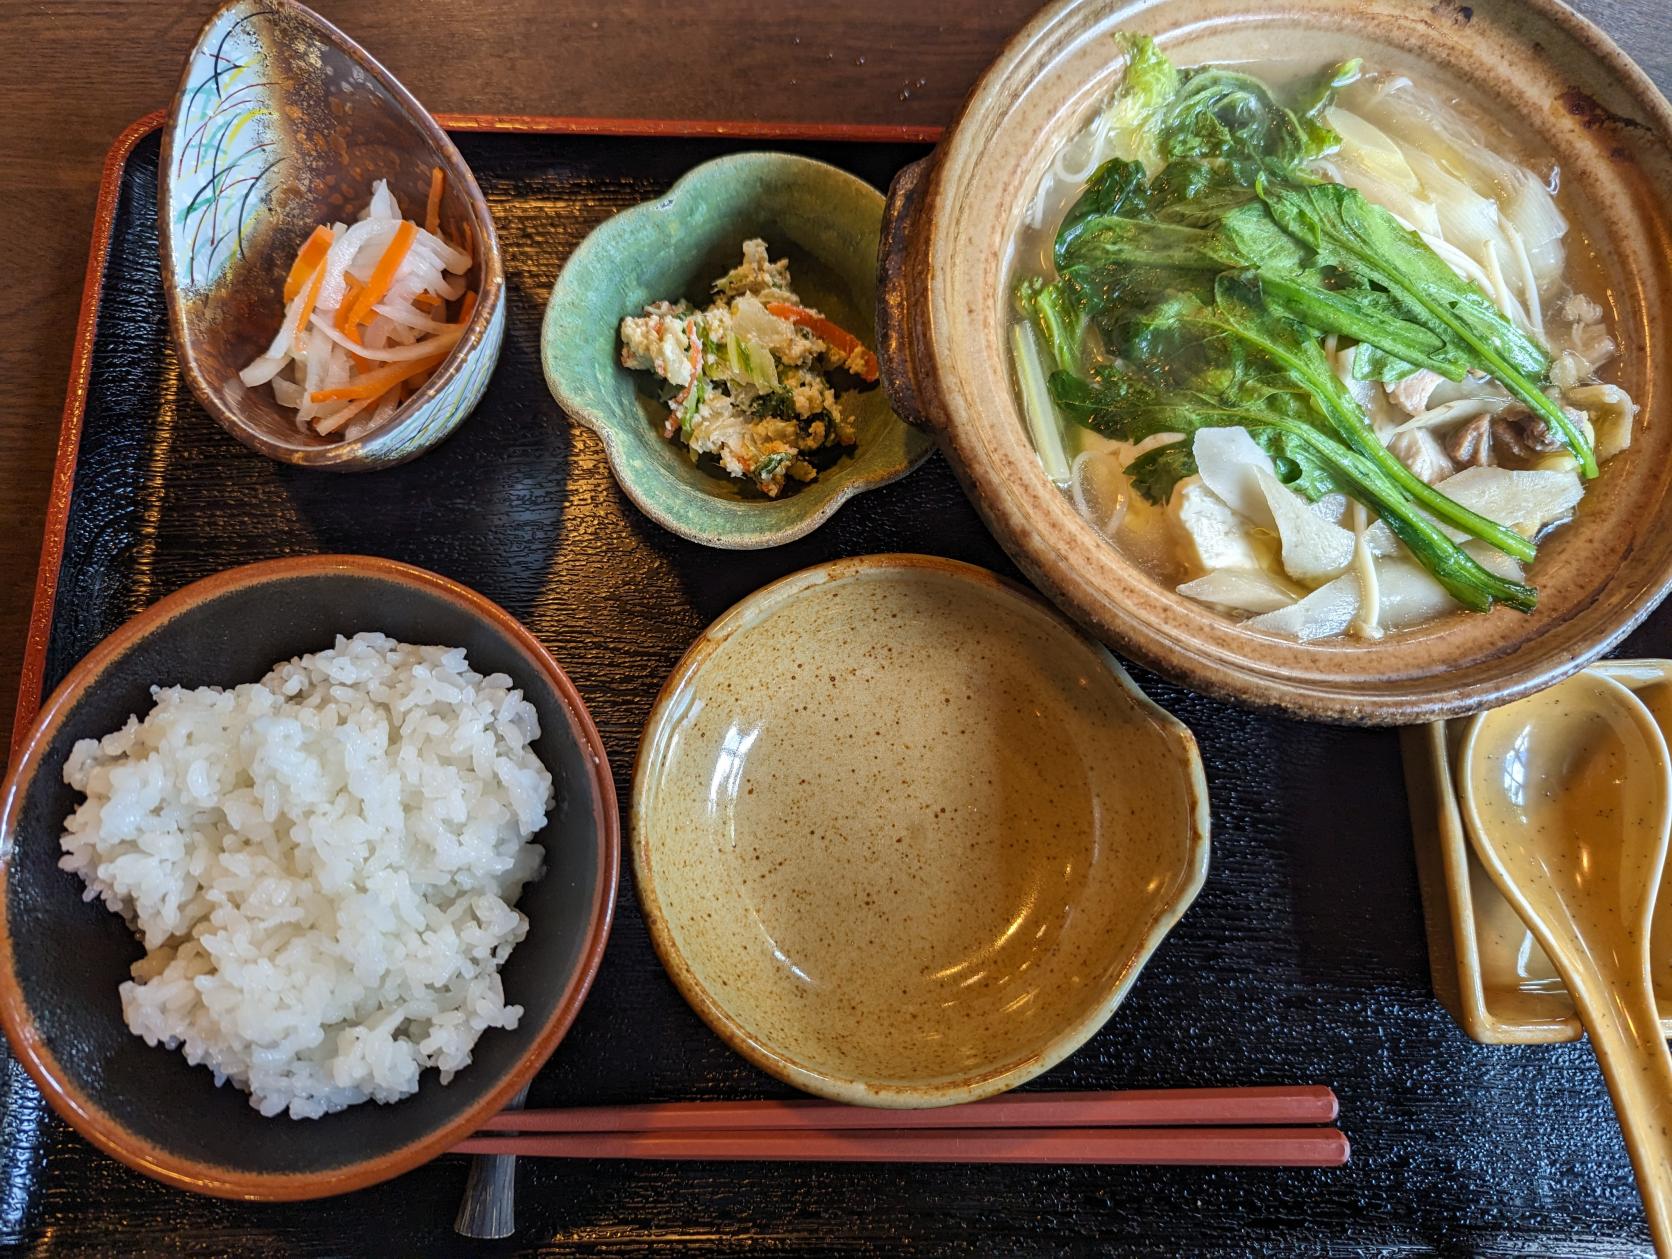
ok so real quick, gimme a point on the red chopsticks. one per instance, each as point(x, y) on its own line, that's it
point(1225, 1127)
point(1224, 1147)
point(1129, 1108)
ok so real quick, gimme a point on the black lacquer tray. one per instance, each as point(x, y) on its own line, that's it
point(1303, 961)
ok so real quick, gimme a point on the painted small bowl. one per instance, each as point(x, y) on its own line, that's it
point(281, 123)
point(145, 1104)
point(826, 222)
point(945, 319)
point(904, 837)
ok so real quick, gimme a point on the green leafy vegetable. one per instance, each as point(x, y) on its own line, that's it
point(1116, 185)
point(1060, 318)
point(688, 409)
point(1238, 313)
point(1156, 472)
point(778, 404)
point(1367, 320)
point(1127, 408)
point(1151, 81)
point(1037, 406)
point(1298, 465)
point(1314, 104)
point(1199, 273)
point(1349, 232)
point(772, 465)
point(1370, 363)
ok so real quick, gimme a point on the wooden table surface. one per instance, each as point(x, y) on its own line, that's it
point(72, 75)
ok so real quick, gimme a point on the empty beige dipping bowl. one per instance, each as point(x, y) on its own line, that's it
point(904, 837)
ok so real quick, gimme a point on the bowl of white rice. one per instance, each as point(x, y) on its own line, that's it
point(304, 872)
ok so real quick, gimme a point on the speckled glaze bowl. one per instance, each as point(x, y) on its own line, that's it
point(945, 312)
point(62, 958)
point(903, 837)
point(281, 123)
point(826, 222)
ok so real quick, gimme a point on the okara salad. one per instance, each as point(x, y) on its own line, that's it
point(748, 376)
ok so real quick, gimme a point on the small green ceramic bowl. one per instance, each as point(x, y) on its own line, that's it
point(827, 222)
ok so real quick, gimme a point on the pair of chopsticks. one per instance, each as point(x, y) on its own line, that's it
point(1227, 1127)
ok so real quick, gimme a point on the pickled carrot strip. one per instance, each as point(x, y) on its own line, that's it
point(306, 311)
point(374, 383)
point(383, 275)
point(352, 288)
point(432, 214)
point(308, 257)
point(415, 383)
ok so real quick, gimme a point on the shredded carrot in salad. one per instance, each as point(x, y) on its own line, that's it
point(371, 309)
point(861, 362)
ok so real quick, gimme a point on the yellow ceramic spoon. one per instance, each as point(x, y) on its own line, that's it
point(1567, 797)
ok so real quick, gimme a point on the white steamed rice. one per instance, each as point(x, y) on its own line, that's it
point(323, 867)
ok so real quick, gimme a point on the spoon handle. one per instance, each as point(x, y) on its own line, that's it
point(1622, 1017)
point(488, 1211)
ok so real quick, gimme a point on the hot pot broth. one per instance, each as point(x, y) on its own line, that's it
point(1151, 280)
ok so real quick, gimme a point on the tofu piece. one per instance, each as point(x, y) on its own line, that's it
point(1213, 535)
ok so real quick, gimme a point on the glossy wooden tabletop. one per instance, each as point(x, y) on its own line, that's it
point(73, 74)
